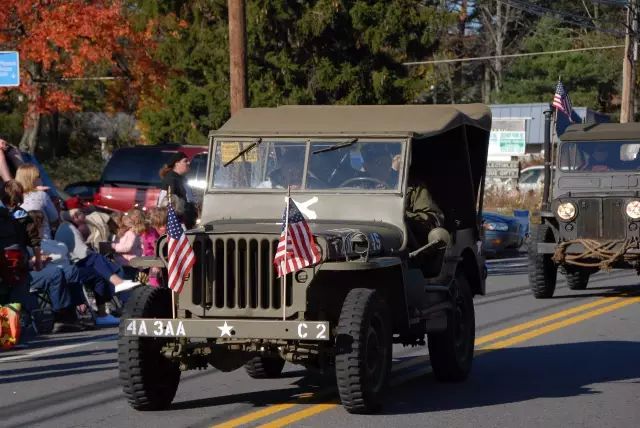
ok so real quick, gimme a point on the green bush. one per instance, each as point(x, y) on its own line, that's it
point(66, 170)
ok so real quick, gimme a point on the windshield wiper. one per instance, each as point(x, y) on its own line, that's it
point(243, 151)
point(337, 146)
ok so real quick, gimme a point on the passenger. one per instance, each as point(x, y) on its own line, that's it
point(116, 227)
point(28, 176)
point(173, 176)
point(289, 170)
point(83, 256)
point(422, 213)
point(129, 245)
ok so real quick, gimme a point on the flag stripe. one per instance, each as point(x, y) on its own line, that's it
point(300, 249)
point(181, 257)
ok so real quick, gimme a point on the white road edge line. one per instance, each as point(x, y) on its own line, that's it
point(54, 349)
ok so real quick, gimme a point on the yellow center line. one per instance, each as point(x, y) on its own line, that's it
point(302, 414)
point(539, 321)
point(319, 408)
point(259, 414)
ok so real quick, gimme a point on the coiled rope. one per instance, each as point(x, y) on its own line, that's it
point(596, 254)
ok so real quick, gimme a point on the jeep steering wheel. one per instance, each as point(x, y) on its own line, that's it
point(349, 181)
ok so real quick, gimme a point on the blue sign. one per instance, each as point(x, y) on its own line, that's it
point(9, 69)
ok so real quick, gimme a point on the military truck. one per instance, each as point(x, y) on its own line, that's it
point(377, 283)
point(591, 206)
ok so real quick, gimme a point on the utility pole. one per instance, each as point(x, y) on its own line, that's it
point(627, 111)
point(237, 55)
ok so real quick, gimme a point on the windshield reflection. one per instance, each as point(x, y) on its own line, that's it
point(367, 165)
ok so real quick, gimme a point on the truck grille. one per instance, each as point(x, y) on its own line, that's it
point(234, 275)
point(601, 218)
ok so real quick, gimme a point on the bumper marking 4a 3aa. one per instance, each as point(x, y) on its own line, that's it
point(230, 328)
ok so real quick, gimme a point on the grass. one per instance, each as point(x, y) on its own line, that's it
point(505, 202)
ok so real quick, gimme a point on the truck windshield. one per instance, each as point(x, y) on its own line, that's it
point(600, 156)
point(308, 164)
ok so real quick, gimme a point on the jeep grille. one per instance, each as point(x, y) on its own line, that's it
point(601, 218)
point(234, 275)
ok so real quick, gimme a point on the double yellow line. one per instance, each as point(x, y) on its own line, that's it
point(484, 344)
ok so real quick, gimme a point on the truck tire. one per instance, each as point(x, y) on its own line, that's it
point(149, 379)
point(542, 269)
point(363, 351)
point(451, 351)
point(577, 279)
point(264, 367)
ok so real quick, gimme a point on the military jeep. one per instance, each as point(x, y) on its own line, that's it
point(591, 207)
point(378, 282)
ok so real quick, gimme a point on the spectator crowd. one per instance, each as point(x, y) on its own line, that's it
point(77, 260)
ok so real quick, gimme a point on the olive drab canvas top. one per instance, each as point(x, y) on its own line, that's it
point(363, 120)
point(602, 132)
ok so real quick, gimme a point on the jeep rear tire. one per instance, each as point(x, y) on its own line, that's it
point(264, 367)
point(577, 279)
point(542, 269)
point(149, 379)
point(363, 351)
point(451, 351)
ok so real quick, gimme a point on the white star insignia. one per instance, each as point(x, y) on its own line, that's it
point(225, 329)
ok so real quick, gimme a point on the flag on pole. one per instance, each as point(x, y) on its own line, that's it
point(180, 254)
point(561, 100)
point(301, 249)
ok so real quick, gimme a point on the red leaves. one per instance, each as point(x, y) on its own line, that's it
point(63, 40)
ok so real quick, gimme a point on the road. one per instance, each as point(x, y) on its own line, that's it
point(573, 360)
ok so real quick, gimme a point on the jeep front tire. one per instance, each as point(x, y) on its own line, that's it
point(542, 269)
point(363, 351)
point(149, 379)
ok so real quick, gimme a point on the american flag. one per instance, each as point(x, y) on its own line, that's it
point(301, 249)
point(561, 100)
point(181, 256)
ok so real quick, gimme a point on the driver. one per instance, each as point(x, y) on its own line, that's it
point(599, 159)
point(379, 165)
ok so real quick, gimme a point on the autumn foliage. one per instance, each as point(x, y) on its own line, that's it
point(62, 42)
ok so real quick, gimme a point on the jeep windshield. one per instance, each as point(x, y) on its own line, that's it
point(301, 164)
point(600, 156)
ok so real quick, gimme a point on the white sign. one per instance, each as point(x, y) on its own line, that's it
point(507, 137)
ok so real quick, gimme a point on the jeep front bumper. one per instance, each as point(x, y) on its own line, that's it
point(227, 329)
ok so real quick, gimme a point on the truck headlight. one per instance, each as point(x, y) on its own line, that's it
point(567, 211)
point(633, 209)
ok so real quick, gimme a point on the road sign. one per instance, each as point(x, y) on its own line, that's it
point(502, 169)
point(9, 69)
point(507, 137)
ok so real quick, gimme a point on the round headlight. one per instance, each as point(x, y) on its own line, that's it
point(566, 211)
point(633, 209)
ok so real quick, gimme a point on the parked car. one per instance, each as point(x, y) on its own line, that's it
point(501, 233)
point(85, 191)
point(130, 178)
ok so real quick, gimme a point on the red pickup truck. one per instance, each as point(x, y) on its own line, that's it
point(130, 178)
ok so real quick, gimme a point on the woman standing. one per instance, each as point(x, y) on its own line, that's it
point(173, 175)
point(28, 175)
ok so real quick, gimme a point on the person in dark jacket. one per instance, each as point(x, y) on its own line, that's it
point(173, 176)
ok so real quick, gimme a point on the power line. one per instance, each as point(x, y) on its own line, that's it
point(482, 58)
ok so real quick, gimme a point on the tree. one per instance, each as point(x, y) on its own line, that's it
point(591, 77)
point(60, 41)
point(312, 52)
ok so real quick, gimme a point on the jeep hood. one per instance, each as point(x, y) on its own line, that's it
point(336, 238)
